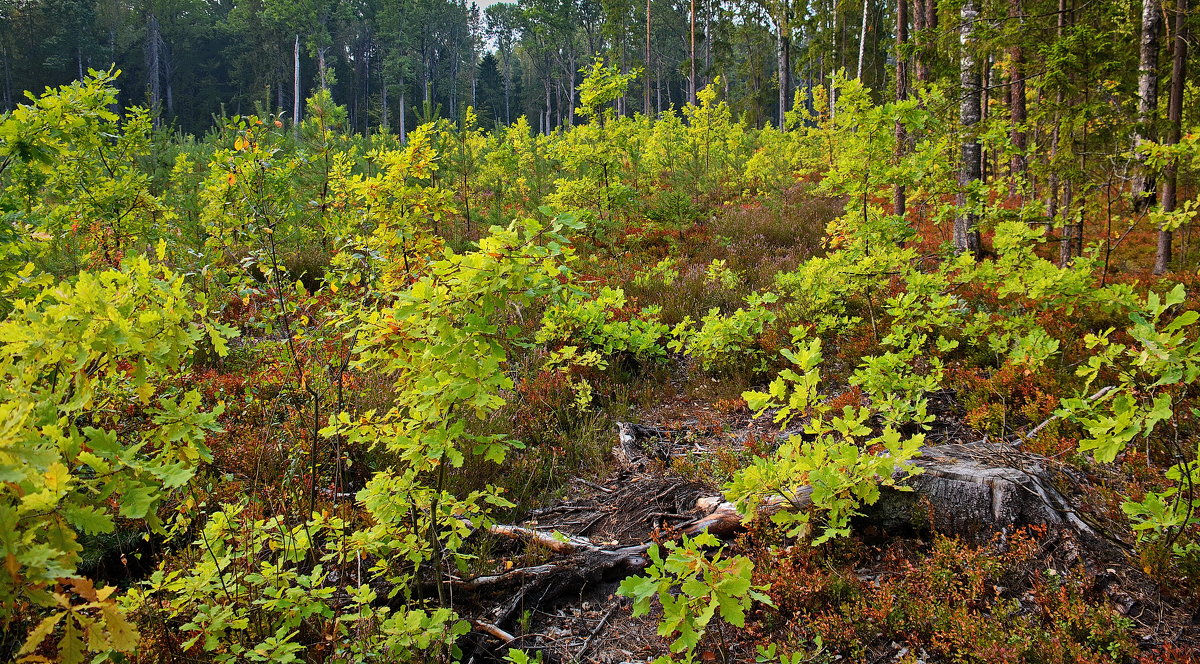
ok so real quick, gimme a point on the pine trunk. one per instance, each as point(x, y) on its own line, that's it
point(898, 195)
point(1162, 259)
point(1019, 164)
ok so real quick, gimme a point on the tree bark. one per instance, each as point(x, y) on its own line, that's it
point(321, 68)
point(783, 48)
point(862, 41)
point(966, 236)
point(8, 86)
point(154, 66)
point(646, 83)
point(573, 67)
point(1162, 259)
point(1019, 164)
point(403, 115)
point(1143, 188)
point(692, 57)
point(1065, 249)
point(507, 88)
point(383, 104)
point(898, 195)
point(926, 17)
point(296, 99)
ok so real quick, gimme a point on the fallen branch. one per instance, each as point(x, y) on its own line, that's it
point(1104, 391)
point(555, 541)
point(591, 637)
point(481, 582)
point(592, 485)
point(492, 630)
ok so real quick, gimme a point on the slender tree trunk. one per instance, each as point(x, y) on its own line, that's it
point(168, 69)
point(383, 105)
point(454, 82)
point(296, 85)
point(929, 22)
point(919, 37)
point(966, 236)
point(1143, 188)
point(646, 82)
point(507, 88)
point(1072, 238)
point(898, 195)
point(366, 123)
point(403, 115)
point(707, 40)
point(692, 57)
point(573, 66)
point(833, 64)
point(985, 86)
point(658, 90)
point(558, 103)
point(783, 54)
point(321, 68)
point(1052, 180)
point(1019, 164)
point(862, 41)
point(154, 67)
point(8, 86)
point(1162, 259)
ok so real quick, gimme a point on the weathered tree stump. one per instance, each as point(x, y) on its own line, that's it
point(977, 490)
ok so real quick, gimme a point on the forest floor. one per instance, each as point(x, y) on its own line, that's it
point(910, 596)
point(581, 618)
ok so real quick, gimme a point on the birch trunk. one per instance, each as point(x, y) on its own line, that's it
point(1143, 188)
point(966, 236)
point(321, 70)
point(296, 85)
point(862, 41)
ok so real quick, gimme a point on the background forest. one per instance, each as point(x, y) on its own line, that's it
point(568, 332)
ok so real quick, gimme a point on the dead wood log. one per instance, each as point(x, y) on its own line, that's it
point(973, 490)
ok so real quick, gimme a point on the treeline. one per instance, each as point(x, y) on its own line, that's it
point(393, 64)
